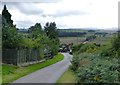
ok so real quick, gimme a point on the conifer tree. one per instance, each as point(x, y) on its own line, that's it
point(10, 37)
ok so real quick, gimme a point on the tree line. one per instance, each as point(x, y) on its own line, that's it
point(72, 34)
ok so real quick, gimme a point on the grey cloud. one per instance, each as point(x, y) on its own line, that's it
point(26, 24)
point(66, 13)
point(11, 5)
point(69, 13)
point(26, 8)
point(48, 1)
point(30, 10)
point(40, 1)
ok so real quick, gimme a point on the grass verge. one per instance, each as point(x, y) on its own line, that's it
point(67, 77)
point(0, 74)
point(11, 73)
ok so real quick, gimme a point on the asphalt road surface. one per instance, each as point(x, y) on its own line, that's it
point(48, 74)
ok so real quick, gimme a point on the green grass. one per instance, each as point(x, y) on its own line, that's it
point(8, 69)
point(67, 77)
point(11, 73)
point(0, 74)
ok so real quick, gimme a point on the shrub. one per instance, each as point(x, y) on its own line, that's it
point(89, 48)
point(89, 38)
point(75, 63)
point(99, 69)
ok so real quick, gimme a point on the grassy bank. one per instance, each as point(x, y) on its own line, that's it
point(67, 77)
point(11, 73)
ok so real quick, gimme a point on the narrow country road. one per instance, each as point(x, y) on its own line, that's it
point(48, 74)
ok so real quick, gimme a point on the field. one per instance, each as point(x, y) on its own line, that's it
point(78, 40)
point(100, 38)
point(75, 40)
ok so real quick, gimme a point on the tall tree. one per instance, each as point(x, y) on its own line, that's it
point(10, 37)
point(6, 17)
point(35, 30)
point(51, 30)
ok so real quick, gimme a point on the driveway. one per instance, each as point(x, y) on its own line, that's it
point(48, 74)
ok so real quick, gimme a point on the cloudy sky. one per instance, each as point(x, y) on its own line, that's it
point(102, 14)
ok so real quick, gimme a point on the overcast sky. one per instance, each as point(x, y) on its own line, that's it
point(101, 14)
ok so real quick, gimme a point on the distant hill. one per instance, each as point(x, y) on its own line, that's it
point(75, 32)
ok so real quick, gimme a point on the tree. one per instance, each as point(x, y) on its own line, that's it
point(35, 30)
point(52, 33)
point(51, 30)
point(6, 17)
point(10, 37)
